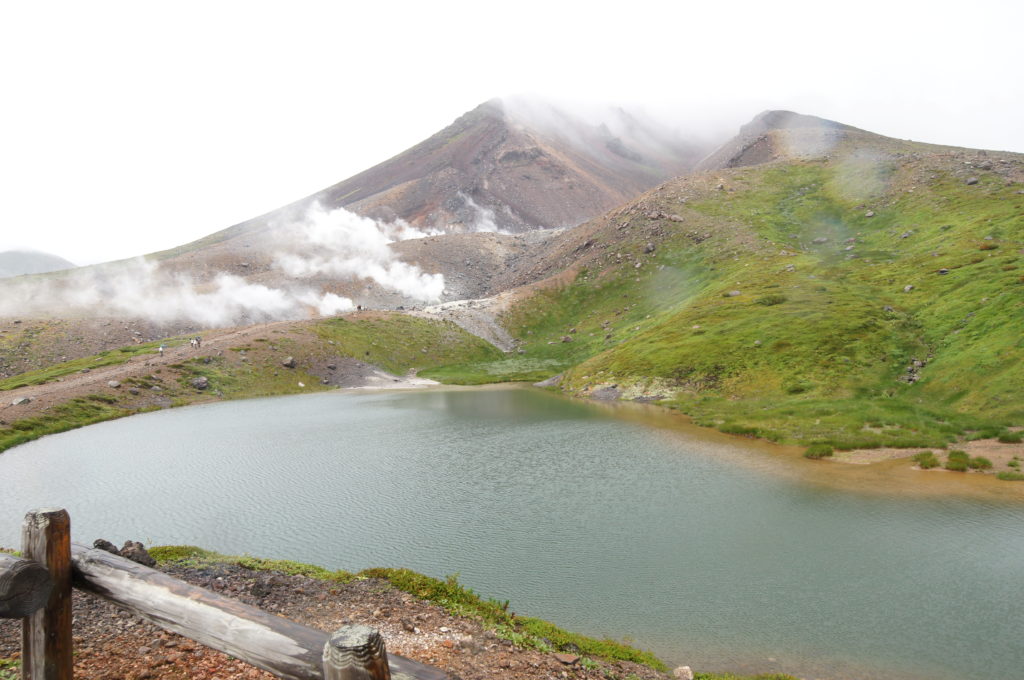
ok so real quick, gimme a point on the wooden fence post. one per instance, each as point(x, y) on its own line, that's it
point(46, 634)
point(25, 586)
point(356, 653)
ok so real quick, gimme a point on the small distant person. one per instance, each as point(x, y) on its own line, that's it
point(161, 350)
point(199, 341)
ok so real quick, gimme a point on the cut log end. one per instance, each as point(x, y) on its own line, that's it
point(25, 586)
point(356, 653)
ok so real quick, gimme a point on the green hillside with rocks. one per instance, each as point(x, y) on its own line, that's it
point(871, 296)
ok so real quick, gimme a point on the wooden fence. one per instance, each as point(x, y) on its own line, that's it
point(37, 588)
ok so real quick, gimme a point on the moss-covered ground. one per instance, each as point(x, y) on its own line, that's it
point(780, 308)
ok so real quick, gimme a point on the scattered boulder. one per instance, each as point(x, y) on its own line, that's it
point(567, 659)
point(870, 213)
point(200, 383)
point(732, 293)
point(103, 544)
point(908, 288)
point(820, 240)
point(566, 338)
point(289, 362)
point(683, 673)
point(113, 383)
point(550, 382)
point(20, 401)
point(136, 552)
point(971, 180)
point(943, 271)
point(649, 248)
point(331, 367)
point(607, 393)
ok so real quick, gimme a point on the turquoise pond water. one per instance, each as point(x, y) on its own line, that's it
point(686, 545)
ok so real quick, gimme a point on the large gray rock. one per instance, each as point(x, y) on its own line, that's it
point(550, 382)
point(289, 362)
point(200, 383)
point(683, 673)
point(20, 401)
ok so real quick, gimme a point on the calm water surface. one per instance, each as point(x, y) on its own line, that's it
point(695, 548)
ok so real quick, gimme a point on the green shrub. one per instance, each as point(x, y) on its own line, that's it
point(956, 465)
point(957, 454)
point(769, 300)
point(816, 451)
point(1010, 476)
point(1011, 437)
point(733, 428)
point(980, 463)
point(926, 460)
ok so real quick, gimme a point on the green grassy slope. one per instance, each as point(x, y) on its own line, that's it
point(777, 306)
point(395, 342)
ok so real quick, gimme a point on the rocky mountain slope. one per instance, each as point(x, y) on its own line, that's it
point(851, 289)
point(510, 165)
point(861, 291)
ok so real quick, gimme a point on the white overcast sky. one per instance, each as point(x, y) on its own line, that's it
point(130, 127)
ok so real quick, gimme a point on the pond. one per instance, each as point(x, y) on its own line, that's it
point(619, 522)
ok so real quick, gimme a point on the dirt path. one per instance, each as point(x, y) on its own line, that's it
point(350, 374)
point(47, 395)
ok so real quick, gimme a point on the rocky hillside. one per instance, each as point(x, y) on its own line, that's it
point(851, 290)
point(862, 291)
point(512, 166)
point(18, 262)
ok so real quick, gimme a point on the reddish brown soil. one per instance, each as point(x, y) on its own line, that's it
point(112, 644)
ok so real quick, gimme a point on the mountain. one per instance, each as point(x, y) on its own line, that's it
point(775, 134)
point(843, 288)
point(511, 165)
point(497, 176)
point(866, 291)
point(18, 262)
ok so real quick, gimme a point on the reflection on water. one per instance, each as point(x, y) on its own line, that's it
point(613, 520)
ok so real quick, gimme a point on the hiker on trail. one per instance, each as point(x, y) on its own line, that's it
point(199, 341)
point(161, 350)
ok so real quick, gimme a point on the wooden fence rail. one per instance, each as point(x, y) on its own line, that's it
point(38, 587)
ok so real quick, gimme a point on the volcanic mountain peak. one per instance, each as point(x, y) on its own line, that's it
point(771, 135)
point(508, 165)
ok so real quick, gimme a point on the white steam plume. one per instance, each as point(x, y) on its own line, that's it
point(139, 288)
point(333, 243)
point(340, 243)
point(484, 216)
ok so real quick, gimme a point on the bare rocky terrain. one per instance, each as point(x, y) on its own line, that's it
point(112, 644)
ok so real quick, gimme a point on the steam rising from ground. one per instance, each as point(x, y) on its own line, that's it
point(334, 244)
point(341, 243)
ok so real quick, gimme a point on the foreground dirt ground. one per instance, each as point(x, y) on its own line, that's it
point(112, 644)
